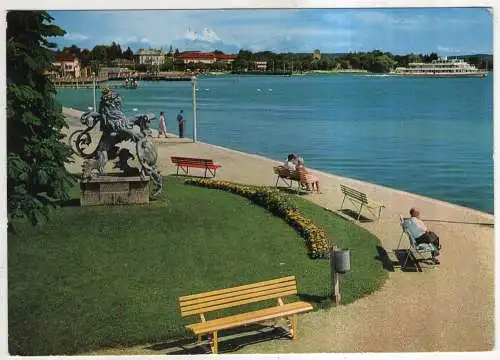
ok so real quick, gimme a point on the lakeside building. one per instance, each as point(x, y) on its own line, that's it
point(260, 65)
point(150, 57)
point(122, 62)
point(117, 73)
point(192, 57)
point(317, 55)
point(66, 65)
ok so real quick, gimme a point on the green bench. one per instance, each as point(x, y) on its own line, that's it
point(360, 200)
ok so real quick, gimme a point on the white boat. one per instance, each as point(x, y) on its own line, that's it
point(443, 67)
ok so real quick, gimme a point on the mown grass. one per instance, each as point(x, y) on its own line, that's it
point(99, 277)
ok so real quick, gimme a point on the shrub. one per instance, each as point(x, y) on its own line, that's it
point(279, 204)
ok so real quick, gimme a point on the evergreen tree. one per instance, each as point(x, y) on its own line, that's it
point(36, 176)
point(128, 54)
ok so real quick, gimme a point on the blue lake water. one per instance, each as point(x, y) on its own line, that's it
point(430, 136)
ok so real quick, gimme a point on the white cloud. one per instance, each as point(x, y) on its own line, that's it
point(207, 35)
point(76, 37)
point(446, 49)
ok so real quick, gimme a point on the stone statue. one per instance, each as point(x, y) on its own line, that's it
point(116, 128)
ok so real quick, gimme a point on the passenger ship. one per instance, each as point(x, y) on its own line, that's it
point(443, 67)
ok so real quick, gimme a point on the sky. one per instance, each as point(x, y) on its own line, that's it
point(447, 31)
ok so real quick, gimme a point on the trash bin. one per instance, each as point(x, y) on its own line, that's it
point(342, 260)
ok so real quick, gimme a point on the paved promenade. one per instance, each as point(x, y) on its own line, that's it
point(449, 308)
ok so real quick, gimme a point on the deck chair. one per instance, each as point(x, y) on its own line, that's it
point(421, 249)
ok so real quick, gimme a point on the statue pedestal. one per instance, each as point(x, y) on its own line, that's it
point(114, 190)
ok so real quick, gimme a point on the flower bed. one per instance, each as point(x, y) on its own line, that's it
point(279, 204)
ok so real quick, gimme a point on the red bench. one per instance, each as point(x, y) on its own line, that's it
point(184, 163)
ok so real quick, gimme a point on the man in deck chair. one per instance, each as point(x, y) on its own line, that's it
point(421, 233)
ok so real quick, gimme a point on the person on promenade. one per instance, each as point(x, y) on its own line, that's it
point(310, 180)
point(290, 162)
point(181, 122)
point(421, 233)
point(163, 126)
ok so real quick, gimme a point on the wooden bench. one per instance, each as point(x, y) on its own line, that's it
point(200, 304)
point(184, 163)
point(289, 176)
point(358, 198)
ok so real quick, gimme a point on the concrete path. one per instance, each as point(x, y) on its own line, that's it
point(449, 308)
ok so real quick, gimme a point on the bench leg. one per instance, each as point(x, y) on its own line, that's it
point(215, 345)
point(407, 257)
point(177, 169)
point(278, 179)
point(205, 173)
point(294, 326)
point(400, 238)
point(342, 202)
point(359, 214)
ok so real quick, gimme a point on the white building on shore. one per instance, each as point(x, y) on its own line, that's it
point(150, 57)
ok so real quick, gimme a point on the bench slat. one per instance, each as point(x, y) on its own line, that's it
point(238, 303)
point(251, 317)
point(355, 194)
point(228, 301)
point(208, 166)
point(242, 287)
point(247, 292)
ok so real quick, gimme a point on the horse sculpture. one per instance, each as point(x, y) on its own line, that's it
point(116, 128)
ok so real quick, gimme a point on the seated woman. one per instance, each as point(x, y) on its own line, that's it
point(310, 180)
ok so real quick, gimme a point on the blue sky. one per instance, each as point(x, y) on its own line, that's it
point(447, 31)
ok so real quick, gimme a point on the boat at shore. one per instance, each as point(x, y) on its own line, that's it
point(443, 67)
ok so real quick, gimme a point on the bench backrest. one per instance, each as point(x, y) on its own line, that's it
point(355, 194)
point(236, 296)
point(194, 161)
point(284, 172)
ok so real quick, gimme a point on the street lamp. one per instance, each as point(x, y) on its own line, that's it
point(93, 82)
point(193, 82)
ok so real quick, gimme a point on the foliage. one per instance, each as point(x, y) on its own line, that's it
point(36, 154)
point(111, 276)
point(279, 204)
point(373, 61)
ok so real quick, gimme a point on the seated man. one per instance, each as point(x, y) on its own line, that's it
point(290, 162)
point(421, 233)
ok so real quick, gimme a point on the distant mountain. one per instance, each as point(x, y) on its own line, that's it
point(135, 46)
point(202, 45)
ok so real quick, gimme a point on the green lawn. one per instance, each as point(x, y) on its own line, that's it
point(107, 276)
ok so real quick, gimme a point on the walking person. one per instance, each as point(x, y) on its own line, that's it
point(181, 122)
point(163, 126)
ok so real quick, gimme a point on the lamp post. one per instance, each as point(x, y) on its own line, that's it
point(193, 82)
point(93, 82)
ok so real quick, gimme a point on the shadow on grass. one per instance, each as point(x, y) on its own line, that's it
point(319, 302)
point(69, 202)
point(354, 215)
point(231, 340)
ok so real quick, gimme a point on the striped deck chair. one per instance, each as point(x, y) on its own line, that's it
point(421, 249)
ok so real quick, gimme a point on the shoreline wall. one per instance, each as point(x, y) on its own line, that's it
point(74, 116)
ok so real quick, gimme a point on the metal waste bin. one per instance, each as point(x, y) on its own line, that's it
point(342, 260)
